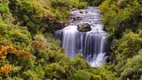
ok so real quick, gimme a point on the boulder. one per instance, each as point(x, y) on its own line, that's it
point(84, 27)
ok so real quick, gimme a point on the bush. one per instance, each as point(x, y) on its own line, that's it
point(3, 28)
point(81, 75)
point(4, 7)
point(83, 5)
point(78, 63)
point(30, 75)
point(21, 36)
point(122, 17)
point(132, 69)
point(96, 2)
point(129, 45)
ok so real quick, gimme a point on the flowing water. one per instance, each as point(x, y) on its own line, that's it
point(91, 44)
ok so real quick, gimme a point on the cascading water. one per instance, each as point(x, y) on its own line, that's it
point(91, 44)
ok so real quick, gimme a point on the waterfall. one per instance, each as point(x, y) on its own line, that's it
point(92, 44)
point(70, 41)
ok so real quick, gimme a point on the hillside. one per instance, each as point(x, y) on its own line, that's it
point(29, 50)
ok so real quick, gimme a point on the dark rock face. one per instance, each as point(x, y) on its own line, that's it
point(59, 25)
point(84, 27)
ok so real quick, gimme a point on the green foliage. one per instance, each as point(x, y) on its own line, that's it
point(133, 68)
point(60, 3)
point(95, 2)
point(31, 75)
point(83, 5)
point(62, 7)
point(4, 7)
point(125, 58)
point(78, 63)
point(28, 54)
point(129, 45)
point(3, 28)
point(36, 15)
point(106, 72)
point(118, 16)
point(55, 71)
point(81, 75)
point(122, 19)
point(22, 36)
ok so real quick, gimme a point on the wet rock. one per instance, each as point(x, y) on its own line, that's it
point(74, 9)
point(59, 25)
point(84, 27)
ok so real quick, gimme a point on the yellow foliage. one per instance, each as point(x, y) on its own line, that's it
point(42, 10)
point(19, 53)
point(11, 50)
point(5, 69)
point(38, 44)
point(3, 49)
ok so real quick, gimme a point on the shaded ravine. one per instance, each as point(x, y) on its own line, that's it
point(92, 44)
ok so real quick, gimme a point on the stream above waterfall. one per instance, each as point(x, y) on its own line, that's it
point(92, 44)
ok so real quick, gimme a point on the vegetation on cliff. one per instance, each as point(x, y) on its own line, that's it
point(28, 50)
point(123, 20)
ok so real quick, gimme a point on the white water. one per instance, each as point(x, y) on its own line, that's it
point(92, 44)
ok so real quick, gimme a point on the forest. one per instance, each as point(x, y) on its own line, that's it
point(29, 50)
